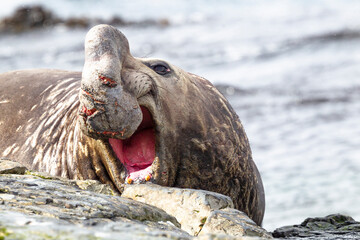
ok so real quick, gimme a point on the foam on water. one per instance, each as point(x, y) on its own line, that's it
point(292, 71)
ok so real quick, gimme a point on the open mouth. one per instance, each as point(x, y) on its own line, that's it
point(137, 153)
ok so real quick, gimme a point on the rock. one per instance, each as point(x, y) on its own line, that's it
point(10, 167)
point(190, 207)
point(335, 226)
point(60, 204)
point(200, 213)
point(224, 237)
point(90, 185)
point(79, 209)
point(74, 22)
point(16, 225)
point(94, 186)
point(232, 222)
point(28, 18)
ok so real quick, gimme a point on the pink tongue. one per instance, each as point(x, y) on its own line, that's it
point(140, 149)
point(136, 153)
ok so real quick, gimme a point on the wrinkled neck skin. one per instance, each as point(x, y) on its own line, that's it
point(213, 147)
point(41, 125)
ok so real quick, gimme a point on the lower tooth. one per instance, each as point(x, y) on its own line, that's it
point(148, 177)
point(129, 181)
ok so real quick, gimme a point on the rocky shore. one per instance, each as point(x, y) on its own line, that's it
point(74, 209)
point(38, 206)
point(335, 226)
point(37, 17)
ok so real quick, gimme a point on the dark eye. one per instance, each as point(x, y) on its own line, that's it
point(161, 69)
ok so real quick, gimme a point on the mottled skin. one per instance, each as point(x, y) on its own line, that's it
point(200, 142)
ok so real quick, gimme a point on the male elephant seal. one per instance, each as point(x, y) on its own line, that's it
point(126, 120)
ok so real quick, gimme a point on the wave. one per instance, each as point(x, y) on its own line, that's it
point(290, 45)
point(230, 90)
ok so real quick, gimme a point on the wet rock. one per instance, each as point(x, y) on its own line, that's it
point(37, 17)
point(77, 22)
point(10, 167)
point(27, 18)
point(232, 222)
point(117, 21)
point(335, 226)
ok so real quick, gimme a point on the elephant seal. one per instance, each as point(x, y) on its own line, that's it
point(125, 120)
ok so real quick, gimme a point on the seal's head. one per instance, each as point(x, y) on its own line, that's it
point(161, 124)
point(121, 104)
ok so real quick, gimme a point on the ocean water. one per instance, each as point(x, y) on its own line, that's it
point(291, 70)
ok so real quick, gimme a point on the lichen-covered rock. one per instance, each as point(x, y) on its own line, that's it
point(61, 203)
point(89, 185)
point(17, 225)
point(78, 209)
point(335, 226)
point(232, 222)
point(226, 237)
point(88, 209)
point(201, 213)
point(94, 186)
point(10, 167)
point(190, 207)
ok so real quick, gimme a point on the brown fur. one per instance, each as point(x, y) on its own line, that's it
point(200, 142)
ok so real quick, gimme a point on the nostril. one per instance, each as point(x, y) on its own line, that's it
point(107, 81)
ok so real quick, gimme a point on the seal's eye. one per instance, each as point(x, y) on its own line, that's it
point(161, 69)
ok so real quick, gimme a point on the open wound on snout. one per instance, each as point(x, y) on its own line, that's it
point(87, 112)
point(137, 153)
point(107, 81)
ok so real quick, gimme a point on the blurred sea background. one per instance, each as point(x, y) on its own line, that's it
point(291, 70)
